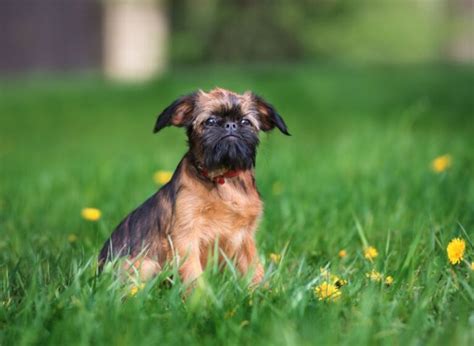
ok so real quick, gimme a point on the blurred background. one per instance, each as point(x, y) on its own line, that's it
point(136, 40)
point(365, 86)
point(374, 92)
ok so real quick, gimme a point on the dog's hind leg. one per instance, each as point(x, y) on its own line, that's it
point(143, 268)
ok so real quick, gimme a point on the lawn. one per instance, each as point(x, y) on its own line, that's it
point(356, 172)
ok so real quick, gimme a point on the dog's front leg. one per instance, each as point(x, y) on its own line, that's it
point(190, 267)
point(247, 259)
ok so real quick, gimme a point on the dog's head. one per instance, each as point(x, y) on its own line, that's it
point(222, 126)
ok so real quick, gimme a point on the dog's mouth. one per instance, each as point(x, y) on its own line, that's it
point(230, 136)
point(231, 150)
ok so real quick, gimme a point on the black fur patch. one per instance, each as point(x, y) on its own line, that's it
point(269, 117)
point(148, 222)
point(215, 150)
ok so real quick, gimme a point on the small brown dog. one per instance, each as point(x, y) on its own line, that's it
point(212, 196)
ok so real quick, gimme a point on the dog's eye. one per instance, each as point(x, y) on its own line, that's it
point(245, 122)
point(211, 121)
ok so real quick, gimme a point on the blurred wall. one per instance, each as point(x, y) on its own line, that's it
point(135, 39)
point(460, 43)
point(50, 35)
point(129, 39)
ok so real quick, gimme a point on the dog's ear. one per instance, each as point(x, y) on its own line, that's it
point(179, 113)
point(268, 116)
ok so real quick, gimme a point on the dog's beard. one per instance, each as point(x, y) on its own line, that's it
point(236, 153)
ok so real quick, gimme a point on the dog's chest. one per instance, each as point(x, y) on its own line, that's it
point(229, 220)
point(226, 212)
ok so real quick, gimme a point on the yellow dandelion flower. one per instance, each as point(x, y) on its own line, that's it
point(455, 249)
point(374, 276)
point(327, 291)
point(333, 279)
point(91, 214)
point(472, 266)
point(136, 288)
point(342, 253)
point(275, 258)
point(277, 188)
point(389, 280)
point(340, 282)
point(162, 177)
point(441, 163)
point(72, 238)
point(370, 253)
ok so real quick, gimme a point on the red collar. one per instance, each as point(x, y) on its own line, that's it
point(220, 179)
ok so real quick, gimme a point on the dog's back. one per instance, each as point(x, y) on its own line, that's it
point(145, 229)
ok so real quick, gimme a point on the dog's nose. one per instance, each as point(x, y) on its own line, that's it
point(230, 126)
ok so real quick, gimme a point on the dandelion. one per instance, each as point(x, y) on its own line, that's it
point(441, 163)
point(374, 276)
point(389, 280)
point(340, 282)
point(72, 238)
point(342, 253)
point(472, 266)
point(136, 288)
point(327, 291)
point(275, 258)
point(455, 249)
point(91, 214)
point(370, 253)
point(333, 279)
point(277, 188)
point(162, 177)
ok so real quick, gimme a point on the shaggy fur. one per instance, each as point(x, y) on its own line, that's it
point(212, 196)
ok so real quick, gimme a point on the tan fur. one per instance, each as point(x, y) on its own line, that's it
point(183, 222)
point(225, 214)
point(220, 99)
point(143, 267)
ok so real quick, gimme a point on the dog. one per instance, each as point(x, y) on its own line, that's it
point(212, 196)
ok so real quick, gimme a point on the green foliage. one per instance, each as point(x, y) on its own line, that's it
point(287, 30)
point(357, 166)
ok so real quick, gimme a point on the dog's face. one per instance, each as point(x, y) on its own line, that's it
point(222, 126)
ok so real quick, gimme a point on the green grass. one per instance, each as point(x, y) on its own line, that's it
point(363, 139)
